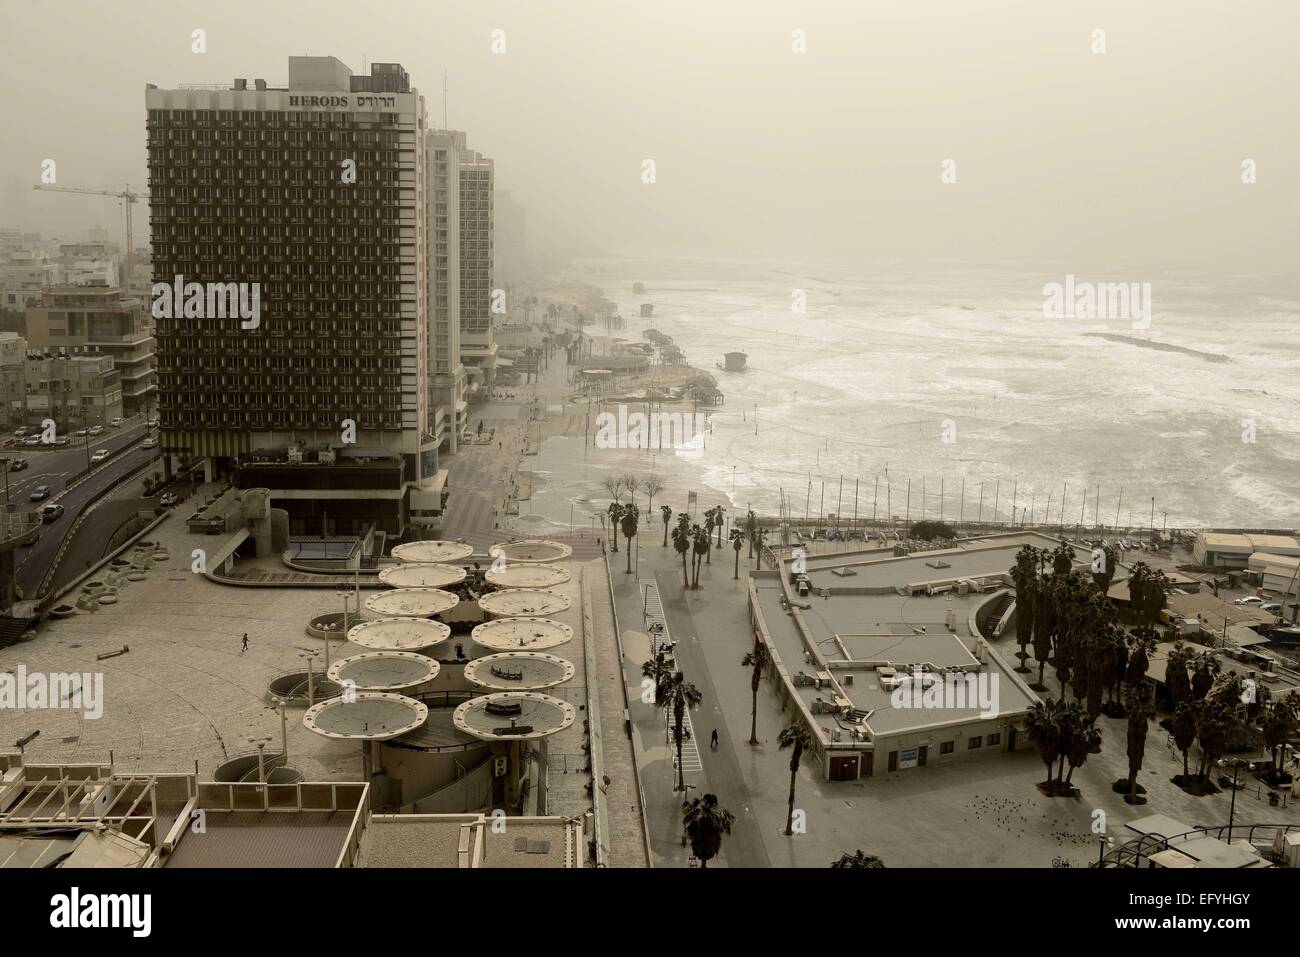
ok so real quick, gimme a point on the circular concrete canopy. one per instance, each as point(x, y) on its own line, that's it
point(370, 716)
point(535, 671)
point(510, 602)
point(411, 602)
point(513, 716)
point(422, 575)
point(521, 634)
point(384, 670)
point(399, 634)
point(533, 551)
point(433, 550)
point(527, 576)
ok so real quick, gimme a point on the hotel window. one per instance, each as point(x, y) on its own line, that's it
point(975, 742)
point(946, 747)
point(995, 738)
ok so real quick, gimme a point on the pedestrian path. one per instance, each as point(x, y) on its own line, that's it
point(660, 639)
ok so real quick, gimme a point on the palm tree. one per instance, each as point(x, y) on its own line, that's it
point(737, 539)
point(751, 529)
point(678, 694)
point(759, 535)
point(630, 515)
point(1278, 723)
point(719, 521)
point(858, 859)
point(1025, 576)
point(658, 671)
point(795, 736)
point(1043, 723)
point(706, 823)
point(710, 519)
point(757, 660)
point(682, 544)
point(701, 540)
point(1184, 730)
point(667, 514)
point(1140, 712)
point(615, 516)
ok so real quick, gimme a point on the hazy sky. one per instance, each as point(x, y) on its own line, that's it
point(1130, 157)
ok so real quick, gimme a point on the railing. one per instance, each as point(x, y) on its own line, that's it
point(1133, 853)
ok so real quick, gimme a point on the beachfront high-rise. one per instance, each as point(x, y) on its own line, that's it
point(315, 193)
point(443, 151)
point(477, 342)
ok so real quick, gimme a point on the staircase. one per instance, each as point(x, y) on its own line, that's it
point(11, 629)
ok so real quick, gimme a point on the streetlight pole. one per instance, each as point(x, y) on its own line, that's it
point(1236, 770)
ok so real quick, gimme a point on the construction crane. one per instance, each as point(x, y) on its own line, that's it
point(129, 198)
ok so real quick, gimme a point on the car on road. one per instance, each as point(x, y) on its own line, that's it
point(79, 434)
point(151, 423)
point(115, 423)
point(40, 493)
point(17, 464)
point(32, 440)
point(95, 430)
point(100, 455)
point(1249, 600)
point(52, 512)
point(149, 444)
point(167, 500)
point(60, 440)
point(1273, 606)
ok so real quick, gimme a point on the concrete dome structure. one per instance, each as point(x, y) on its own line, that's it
point(384, 671)
point(527, 576)
point(531, 551)
point(410, 603)
point(513, 716)
point(433, 550)
point(370, 716)
point(399, 634)
point(522, 634)
point(513, 602)
point(422, 575)
point(519, 671)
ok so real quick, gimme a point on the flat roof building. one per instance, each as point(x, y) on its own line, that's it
point(310, 199)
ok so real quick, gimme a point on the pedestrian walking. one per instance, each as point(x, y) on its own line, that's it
point(713, 740)
point(244, 648)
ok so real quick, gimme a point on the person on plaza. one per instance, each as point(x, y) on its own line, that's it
point(244, 648)
point(713, 740)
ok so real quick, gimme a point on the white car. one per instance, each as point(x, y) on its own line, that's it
point(1249, 600)
point(114, 423)
point(100, 455)
point(149, 444)
point(95, 430)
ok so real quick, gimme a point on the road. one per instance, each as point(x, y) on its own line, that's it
point(57, 469)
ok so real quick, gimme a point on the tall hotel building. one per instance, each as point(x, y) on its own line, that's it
point(478, 347)
point(444, 149)
point(253, 184)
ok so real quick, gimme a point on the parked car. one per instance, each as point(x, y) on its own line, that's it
point(52, 512)
point(115, 423)
point(152, 424)
point(150, 443)
point(32, 440)
point(167, 499)
point(1249, 600)
point(1273, 606)
point(40, 493)
point(21, 433)
point(79, 434)
point(95, 430)
point(99, 456)
point(60, 440)
point(17, 464)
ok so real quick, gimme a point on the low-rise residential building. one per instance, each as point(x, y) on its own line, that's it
point(102, 319)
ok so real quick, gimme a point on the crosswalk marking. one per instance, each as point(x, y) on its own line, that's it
point(654, 614)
